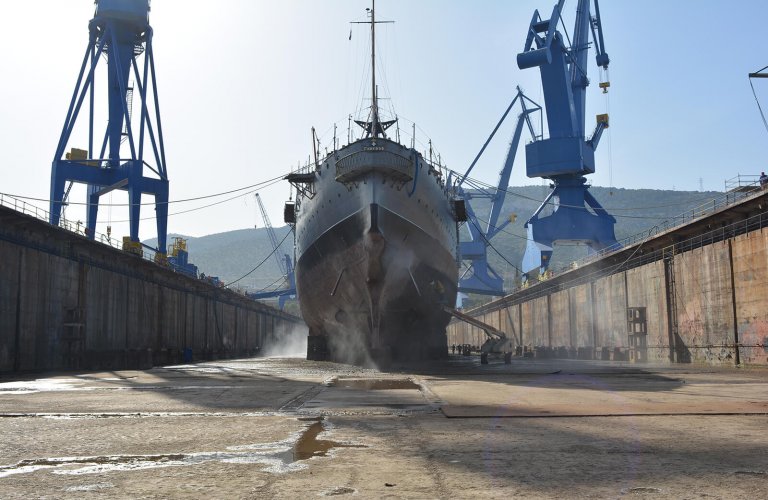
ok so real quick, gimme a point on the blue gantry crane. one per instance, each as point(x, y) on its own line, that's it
point(284, 264)
point(480, 277)
point(119, 31)
point(567, 155)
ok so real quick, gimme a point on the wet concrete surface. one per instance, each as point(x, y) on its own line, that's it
point(290, 428)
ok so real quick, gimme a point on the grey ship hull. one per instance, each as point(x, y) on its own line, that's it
point(376, 243)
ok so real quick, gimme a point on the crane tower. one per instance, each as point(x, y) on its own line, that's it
point(567, 155)
point(120, 32)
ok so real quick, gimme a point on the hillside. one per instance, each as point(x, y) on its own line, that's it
point(232, 254)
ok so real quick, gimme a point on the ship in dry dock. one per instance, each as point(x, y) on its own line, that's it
point(376, 237)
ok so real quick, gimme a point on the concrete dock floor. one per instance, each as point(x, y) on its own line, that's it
point(290, 428)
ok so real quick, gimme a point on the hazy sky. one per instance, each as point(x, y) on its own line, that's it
point(241, 83)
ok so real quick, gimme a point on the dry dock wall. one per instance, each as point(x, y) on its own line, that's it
point(706, 301)
point(69, 303)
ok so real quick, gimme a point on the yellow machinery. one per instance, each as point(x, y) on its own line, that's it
point(131, 246)
point(179, 244)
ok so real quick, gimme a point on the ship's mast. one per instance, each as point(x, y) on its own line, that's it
point(375, 123)
point(375, 127)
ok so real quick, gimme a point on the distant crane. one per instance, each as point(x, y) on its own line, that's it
point(480, 277)
point(120, 31)
point(566, 156)
point(284, 264)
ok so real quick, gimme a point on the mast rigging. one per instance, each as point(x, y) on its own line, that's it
point(375, 127)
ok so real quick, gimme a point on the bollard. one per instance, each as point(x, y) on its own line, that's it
point(484, 358)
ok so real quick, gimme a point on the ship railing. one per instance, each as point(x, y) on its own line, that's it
point(304, 169)
point(299, 177)
point(441, 172)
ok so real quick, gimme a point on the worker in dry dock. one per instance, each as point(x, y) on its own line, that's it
point(763, 180)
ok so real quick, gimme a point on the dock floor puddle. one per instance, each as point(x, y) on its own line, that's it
point(278, 457)
point(375, 384)
point(308, 446)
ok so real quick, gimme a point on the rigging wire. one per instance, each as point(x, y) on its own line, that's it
point(759, 107)
point(348, 81)
point(208, 205)
point(562, 23)
point(395, 49)
point(281, 278)
point(384, 80)
point(260, 263)
point(197, 198)
point(424, 145)
point(478, 184)
point(494, 248)
point(109, 210)
point(604, 77)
